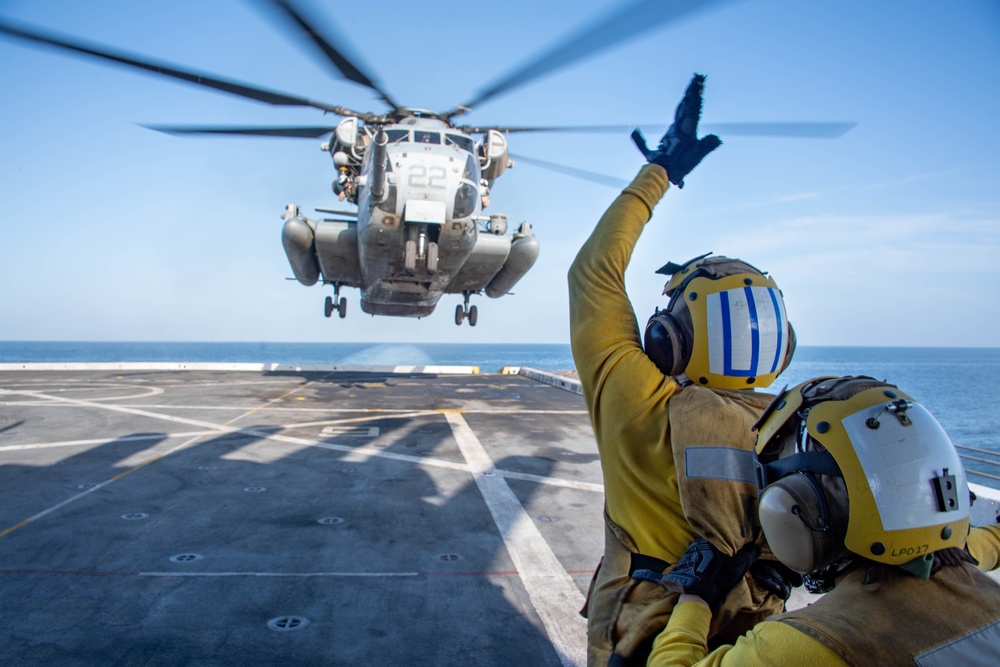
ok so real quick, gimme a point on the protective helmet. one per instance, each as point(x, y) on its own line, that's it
point(851, 467)
point(724, 326)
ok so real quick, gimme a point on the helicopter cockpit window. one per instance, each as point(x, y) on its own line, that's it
point(396, 136)
point(471, 172)
point(465, 201)
point(424, 137)
point(465, 143)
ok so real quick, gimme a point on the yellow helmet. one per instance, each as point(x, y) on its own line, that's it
point(725, 325)
point(853, 466)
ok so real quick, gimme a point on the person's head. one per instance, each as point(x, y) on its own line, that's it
point(724, 326)
point(853, 467)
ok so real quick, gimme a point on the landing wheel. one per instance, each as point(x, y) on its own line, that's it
point(410, 256)
point(341, 307)
point(473, 313)
point(328, 307)
point(432, 258)
point(459, 314)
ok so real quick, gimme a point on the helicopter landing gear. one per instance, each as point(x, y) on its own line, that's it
point(432, 257)
point(410, 256)
point(335, 303)
point(411, 253)
point(466, 311)
point(419, 247)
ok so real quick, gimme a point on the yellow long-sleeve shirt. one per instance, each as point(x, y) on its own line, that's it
point(644, 422)
point(683, 642)
point(625, 392)
point(984, 545)
point(769, 643)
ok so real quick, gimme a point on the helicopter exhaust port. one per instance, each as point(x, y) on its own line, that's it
point(379, 161)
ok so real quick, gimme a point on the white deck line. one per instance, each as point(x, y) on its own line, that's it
point(551, 590)
point(218, 366)
point(569, 384)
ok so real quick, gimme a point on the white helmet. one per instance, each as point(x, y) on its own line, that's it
point(852, 466)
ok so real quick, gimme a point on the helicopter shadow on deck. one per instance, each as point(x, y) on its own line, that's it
point(389, 561)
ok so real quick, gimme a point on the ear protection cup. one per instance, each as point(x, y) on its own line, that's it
point(665, 343)
point(789, 349)
point(794, 515)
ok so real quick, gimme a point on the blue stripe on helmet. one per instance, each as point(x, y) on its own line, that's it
point(727, 333)
point(781, 328)
point(754, 330)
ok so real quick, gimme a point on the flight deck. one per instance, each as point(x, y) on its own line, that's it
point(246, 514)
point(294, 516)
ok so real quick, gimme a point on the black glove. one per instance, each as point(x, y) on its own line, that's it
point(708, 573)
point(775, 577)
point(680, 149)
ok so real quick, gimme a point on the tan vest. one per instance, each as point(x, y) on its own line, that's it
point(951, 620)
point(711, 441)
point(713, 445)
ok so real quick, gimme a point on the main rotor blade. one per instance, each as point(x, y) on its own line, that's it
point(768, 129)
point(335, 211)
point(620, 25)
point(779, 129)
point(288, 132)
point(592, 176)
point(129, 60)
point(332, 55)
point(581, 129)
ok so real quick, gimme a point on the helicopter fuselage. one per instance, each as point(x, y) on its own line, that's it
point(419, 232)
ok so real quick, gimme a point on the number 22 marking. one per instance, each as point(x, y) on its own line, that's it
point(422, 177)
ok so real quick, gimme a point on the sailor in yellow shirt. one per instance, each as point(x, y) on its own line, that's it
point(984, 545)
point(672, 408)
point(863, 492)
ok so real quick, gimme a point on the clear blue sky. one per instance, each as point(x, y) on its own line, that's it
point(889, 235)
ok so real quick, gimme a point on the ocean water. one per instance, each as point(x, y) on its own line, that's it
point(489, 358)
point(955, 384)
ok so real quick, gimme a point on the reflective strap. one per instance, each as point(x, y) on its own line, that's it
point(822, 463)
point(728, 464)
point(975, 649)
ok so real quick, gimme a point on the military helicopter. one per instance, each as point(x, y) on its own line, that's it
point(419, 180)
